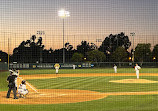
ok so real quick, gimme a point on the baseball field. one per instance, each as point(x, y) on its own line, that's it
point(84, 90)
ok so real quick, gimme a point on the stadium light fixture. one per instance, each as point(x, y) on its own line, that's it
point(63, 14)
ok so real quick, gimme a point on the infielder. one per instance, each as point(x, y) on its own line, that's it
point(22, 91)
point(137, 68)
point(115, 68)
point(56, 66)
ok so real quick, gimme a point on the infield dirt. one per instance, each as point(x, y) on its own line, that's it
point(134, 81)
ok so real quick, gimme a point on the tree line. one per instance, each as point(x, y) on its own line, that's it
point(114, 48)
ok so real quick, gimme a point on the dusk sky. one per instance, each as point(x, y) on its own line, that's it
point(96, 17)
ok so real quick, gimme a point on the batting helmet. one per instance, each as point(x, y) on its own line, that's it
point(23, 82)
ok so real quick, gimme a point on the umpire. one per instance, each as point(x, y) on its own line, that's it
point(11, 85)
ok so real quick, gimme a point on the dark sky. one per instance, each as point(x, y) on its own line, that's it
point(87, 17)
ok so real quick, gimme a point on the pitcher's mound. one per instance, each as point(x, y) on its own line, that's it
point(53, 96)
point(134, 81)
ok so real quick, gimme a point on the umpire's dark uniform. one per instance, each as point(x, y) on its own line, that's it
point(11, 85)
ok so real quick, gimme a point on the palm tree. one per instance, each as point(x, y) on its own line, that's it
point(68, 46)
point(33, 38)
point(27, 43)
point(39, 42)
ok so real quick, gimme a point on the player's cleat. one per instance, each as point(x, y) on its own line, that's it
point(16, 98)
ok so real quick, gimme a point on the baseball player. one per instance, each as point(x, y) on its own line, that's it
point(16, 74)
point(74, 66)
point(56, 66)
point(137, 68)
point(11, 85)
point(115, 68)
point(22, 91)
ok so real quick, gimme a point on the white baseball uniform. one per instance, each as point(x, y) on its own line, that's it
point(22, 89)
point(57, 68)
point(115, 69)
point(137, 71)
point(73, 66)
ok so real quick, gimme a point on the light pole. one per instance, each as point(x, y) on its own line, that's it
point(133, 34)
point(63, 14)
point(8, 54)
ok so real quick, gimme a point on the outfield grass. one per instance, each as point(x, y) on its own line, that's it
point(3, 82)
point(93, 70)
point(100, 84)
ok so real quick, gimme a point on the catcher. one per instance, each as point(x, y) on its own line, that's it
point(57, 66)
point(22, 91)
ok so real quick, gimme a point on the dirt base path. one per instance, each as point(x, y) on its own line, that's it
point(58, 96)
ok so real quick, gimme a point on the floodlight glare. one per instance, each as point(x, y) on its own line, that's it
point(63, 13)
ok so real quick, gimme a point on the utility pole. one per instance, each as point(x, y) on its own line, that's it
point(133, 34)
